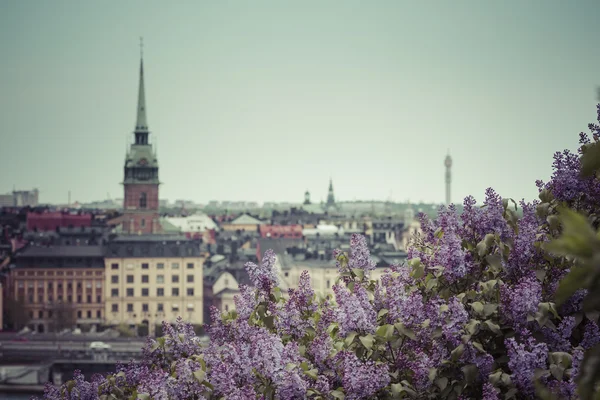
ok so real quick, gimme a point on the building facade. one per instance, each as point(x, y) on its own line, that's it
point(153, 278)
point(58, 287)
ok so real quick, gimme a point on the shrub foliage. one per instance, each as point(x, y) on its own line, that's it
point(477, 312)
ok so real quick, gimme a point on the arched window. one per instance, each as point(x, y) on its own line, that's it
point(143, 200)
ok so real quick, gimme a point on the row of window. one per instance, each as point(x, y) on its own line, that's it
point(160, 292)
point(146, 279)
point(58, 273)
point(146, 308)
point(40, 298)
point(174, 265)
point(80, 314)
point(59, 285)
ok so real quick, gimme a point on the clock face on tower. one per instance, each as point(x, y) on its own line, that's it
point(143, 161)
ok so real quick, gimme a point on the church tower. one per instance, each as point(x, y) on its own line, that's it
point(140, 208)
point(448, 165)
point(330, 195)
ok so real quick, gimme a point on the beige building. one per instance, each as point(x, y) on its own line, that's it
point(153, 278)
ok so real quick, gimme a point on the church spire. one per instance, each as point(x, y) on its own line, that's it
point(141, 124)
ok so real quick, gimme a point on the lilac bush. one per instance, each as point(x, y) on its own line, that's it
point(471, 315)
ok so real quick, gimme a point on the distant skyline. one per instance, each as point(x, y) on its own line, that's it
point(260, 101)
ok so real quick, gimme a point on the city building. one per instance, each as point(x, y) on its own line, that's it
point(58, 287)
point(141, 203)
point(151, 278)
point(244, 222)
point(281, 231)
point(1, 308)
point(20, 198)
point(306, 198)
point(51, 221)
point(196, 223)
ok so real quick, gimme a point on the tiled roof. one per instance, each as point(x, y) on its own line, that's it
point(246, 219)
point(61, 251)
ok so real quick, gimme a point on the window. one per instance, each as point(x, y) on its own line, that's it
point(160, 266)
point(89, 314)
point(145, 292)
point(115, 308)
point(143, 222)
point(159, 307)
point(175, 307)
point(226, 282)
point(129, 292)
point(160, 292)
point(175, 265)
point(49, 285)
point(69, 286)
point(190, 265)
point(88, 285)
point(190, 291)
point(287, 274)
point(226, 307)
point(98, 285)
point(175, 292)
point(69, 299)
point(129, 266)
point(50, 314)
point(114, 279)
point(129, 307)
point(89, 298)
point(175, 279)
point(99, 299)
point(160, 279)
point(78, 298)
point(41, 314)
point(145, 279)
point(79, 314)
point(190, 278)
point(114, 293)
point(129, 278)
point(114, 266)
point(98, 314)
point(145, 307)
point(190, 306)
point(79, 286)
point(328, 284)
point(143, 200)
point(145, 265)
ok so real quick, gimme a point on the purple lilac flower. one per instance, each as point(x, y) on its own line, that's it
point(524, 253)
point(490, 392)
point(591, 335)
point(264, 276)
point(520, 300)
point(524, 359)
point(419, 366)
point(293, 319)
point(355, 312)
point(320, 348)
point(361, 379)
point(245, 302)
point(360, 257)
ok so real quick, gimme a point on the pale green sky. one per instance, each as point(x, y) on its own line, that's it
point(261, 100)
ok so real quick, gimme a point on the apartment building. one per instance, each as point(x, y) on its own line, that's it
point(153, 278)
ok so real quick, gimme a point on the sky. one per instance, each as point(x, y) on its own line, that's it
point(262, 100)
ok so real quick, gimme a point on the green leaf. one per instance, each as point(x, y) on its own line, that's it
point(432, 374)
point(574, 281)
point(385, 331)
point(418, 271)
point(578, 237)
point(478, 346)
point(457, 352)
point(350, 338)
point(405, 331)
point(590, 159)
point(269, 321)
point(471, 372)
point(441, 383)
point(477, 307)
point(199, 375)
point(431, 283)
point(360, 273)
point(382, 312)
point(367, 341)
point(338, 394)
point(472, 326)
point(438, 233)
point(493, 327)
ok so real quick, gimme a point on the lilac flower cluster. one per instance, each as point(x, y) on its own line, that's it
point(473, 306)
